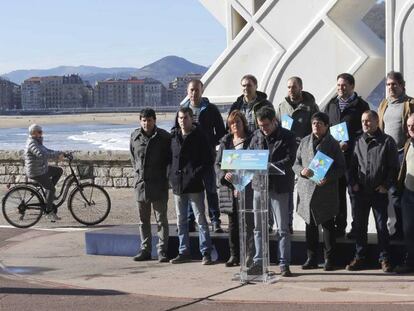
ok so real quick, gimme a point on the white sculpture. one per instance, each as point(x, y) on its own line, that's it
point(276, 39)
point(400, 46)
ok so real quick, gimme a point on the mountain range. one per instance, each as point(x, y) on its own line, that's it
point(164, 70)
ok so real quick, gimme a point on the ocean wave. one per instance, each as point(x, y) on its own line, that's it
point(106, 140)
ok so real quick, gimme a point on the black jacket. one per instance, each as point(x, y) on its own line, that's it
point(150, 157)
point(282, 155)
point(375, 162)
point(261, 101)
point(209, 121)
point(190, 157)
point(352, 116)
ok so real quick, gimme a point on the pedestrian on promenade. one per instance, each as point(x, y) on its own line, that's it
point(238, 139)
point(36, 157)
point(373, 170)
point(210, 122)
point(318, 203)
point(406, 186)
point(150, 151)
point(346, 107)
point(393, 113)
point(191, 157)
point(300, 106)
point(281, 144)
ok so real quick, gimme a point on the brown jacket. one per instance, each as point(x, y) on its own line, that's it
point(403, 169)
point(408, 109)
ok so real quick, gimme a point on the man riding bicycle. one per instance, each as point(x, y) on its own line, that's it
point(36, 157)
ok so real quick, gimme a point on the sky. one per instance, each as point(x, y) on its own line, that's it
point(40, 34)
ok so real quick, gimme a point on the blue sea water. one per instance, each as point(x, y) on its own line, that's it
point(76, 136)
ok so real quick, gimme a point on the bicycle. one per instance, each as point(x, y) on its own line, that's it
point(23, 205)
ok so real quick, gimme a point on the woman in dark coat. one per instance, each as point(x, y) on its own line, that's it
point(238, 138)
point(318, 203)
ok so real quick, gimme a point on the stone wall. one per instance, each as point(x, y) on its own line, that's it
point(110, 168)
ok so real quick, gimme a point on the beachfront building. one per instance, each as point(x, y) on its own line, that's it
point(132, 92)
point(10, 95)
point(177, 89)
point(55, 92)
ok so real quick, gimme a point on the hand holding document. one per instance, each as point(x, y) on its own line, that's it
point(320, 165)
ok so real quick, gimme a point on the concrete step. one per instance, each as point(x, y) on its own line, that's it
point(124, 240)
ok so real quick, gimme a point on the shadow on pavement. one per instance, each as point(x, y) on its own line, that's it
point(59, 291)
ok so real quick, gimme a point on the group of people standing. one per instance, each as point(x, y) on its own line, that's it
point(375, 165)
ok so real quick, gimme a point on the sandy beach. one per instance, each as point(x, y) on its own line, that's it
point(106, 118)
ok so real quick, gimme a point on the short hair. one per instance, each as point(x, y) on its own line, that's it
point(347, 77)
point(320, 116)
point(147, 113)
point(266, 113)
point(185, 110)
point(397, 76)
point(298, 80)
point(237, 114)
point(372, 113)
point(196, 81)
point(34, 128)
point(250, 77)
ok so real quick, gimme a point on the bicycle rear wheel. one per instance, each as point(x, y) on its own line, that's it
point(89, 204)
point(22, 206)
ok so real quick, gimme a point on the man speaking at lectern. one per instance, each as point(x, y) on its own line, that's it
point(281, 144)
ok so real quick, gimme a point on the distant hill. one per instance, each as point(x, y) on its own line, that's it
point(164, 69)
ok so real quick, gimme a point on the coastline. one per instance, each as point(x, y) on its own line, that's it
point(95, 118)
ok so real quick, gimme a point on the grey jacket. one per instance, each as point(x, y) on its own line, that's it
point(301, 114)
point(374, 162)
point(36, 157)
point(319, 202)
point(150, 157)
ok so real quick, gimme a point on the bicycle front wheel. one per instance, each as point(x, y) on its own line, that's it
point(22, 206)
point(89, 204)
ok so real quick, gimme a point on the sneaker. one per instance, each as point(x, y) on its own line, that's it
point(356, 265)
point(404, 269)
point(206, 260)
point(285, 271)
point(310, 264)
point(142, 256)
point(181, 259)
point(386, 266)
point(217, 228)
point(233, 261)
point(162, 257)
point(53, 217)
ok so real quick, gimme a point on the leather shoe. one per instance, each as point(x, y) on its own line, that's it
point(142, 256)
point(233, 261)
point(357, 264)
point(329, 266)
point(310, 264)
point(404, 269)
point(217, 228)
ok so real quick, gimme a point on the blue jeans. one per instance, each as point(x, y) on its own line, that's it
point(407, 205)
point(196, 200)
point(209, 180)
point(279, 203)
point(363, 203)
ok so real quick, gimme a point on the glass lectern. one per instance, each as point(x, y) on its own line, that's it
point(247, 165)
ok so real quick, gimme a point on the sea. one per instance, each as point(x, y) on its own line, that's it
point(79, 136)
